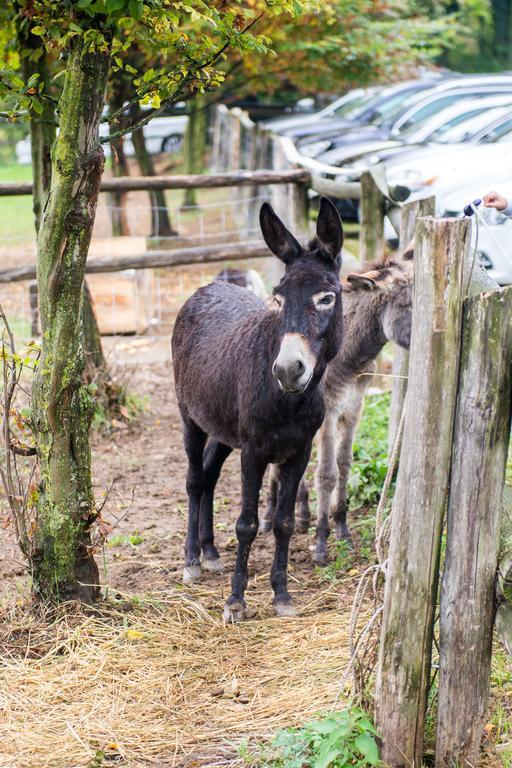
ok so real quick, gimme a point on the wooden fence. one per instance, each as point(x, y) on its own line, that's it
point(298, 180)
point(452, 472)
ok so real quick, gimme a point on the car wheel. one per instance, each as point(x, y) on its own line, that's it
point(172, 143)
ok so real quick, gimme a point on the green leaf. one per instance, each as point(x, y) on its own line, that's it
point(114, 5)
point(367, 746)
point(135, 9)
point(39, 30)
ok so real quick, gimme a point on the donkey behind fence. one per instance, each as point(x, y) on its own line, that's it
point(248, 377)
point(377, 307)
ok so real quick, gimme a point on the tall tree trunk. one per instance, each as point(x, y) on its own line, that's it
point(160, 220)
point(42, 135)
point(195, 143)
point(63, 565)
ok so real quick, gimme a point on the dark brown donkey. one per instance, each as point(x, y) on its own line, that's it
point(248, 377)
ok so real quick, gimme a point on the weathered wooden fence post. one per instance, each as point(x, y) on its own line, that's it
point(480, 447)
point(371, 240)
point(403, 673)
point(409, 214)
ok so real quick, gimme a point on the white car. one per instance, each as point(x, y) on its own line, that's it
point(162, 134)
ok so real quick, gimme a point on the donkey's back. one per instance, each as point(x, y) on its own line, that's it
point(211, 336)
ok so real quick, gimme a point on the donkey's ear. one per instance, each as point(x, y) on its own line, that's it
point(329, 230)
point(280, 241)
point(363, 281)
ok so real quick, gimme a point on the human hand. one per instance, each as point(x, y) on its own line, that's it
point(495, 200)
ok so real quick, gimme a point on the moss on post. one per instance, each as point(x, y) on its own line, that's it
point(63, 565)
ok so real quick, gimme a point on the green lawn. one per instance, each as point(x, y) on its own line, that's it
point(16, 216)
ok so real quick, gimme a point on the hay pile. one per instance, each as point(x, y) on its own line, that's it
point(161, 682)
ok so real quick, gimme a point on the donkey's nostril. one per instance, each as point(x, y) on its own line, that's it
point(299, 368)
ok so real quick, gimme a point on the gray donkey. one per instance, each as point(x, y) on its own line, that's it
point(377, 307)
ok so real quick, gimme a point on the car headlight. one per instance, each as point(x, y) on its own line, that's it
point(315, 148)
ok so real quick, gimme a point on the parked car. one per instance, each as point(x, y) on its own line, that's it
point(370, 109)
point(391, 122)
point(339, 108)
point(162, 134)
point(462, 122)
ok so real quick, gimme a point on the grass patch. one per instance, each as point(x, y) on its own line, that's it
point(370, 451)
point(16, 214)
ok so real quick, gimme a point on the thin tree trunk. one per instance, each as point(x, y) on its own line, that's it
point(120, 167)
point(160, 220)
point(63, 564)
point(195, 143)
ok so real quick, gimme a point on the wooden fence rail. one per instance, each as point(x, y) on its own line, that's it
point(253, 249)
point(198, 181)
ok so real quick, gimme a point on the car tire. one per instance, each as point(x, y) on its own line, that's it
point(172, 143)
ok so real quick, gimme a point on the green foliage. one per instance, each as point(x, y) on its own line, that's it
point(125, 540)
point(338, 567)
point(370, 453)
point(338, 740)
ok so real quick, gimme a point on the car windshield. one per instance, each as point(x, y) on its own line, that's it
point(466, 126)
point(354, 105)
point(434, 106)
point(382, 110)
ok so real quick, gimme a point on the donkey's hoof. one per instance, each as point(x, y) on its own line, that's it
point(234, 612)
point(284, 608)
point(301, 525)
point(213, 564)
point(265, 526)
point(191, 574)
point(320, 556)
point(343, 533)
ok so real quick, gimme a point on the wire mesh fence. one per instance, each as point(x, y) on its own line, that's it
point(143, 301)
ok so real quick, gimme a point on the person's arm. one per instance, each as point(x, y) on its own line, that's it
point(495, 200)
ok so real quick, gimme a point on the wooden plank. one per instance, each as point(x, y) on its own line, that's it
point(403, 673)
point(193, 181)
point(409, 214)
point(480, 447)
point(372, 245)
point(253, 249)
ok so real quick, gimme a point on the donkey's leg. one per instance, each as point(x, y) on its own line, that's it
point(290, 474)
point(253, 469)
point(268, 517)
point(326, 477)
point(195, 440)
point(214, 457)
point(353, 405)
point(303, 512)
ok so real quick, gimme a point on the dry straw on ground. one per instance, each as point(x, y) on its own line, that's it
point(161, 683)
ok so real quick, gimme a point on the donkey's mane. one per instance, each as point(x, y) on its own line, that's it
point(379, 270)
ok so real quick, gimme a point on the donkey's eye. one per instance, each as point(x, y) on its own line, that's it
point(324, 300)
point(278, 300)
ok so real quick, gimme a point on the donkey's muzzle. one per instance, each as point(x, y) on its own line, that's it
point(295, 363)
